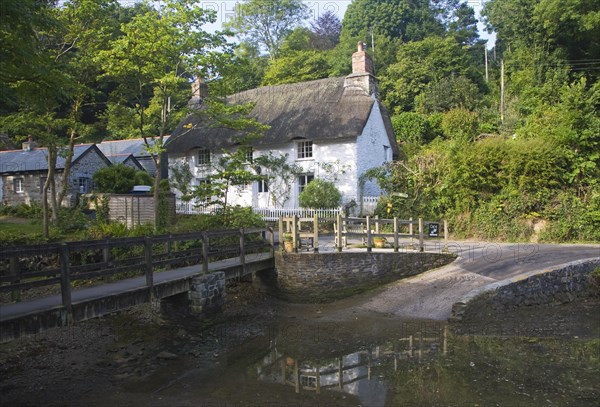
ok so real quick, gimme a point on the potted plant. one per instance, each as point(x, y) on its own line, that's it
point(288, 242)
point(379, 242)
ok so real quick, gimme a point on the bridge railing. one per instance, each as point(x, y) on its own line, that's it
point(59, 267)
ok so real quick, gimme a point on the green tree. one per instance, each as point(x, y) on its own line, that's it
point(320, 194)
point(267, 22)
point(460, 124)
point(298, 66)
point(152, 61)
point(116, 179)
point(421, 63)
point(447, 93)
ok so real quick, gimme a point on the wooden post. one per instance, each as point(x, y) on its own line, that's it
point(148, 262)
point(318, 378)
point(341, 372)
point(445, 235)
point(205, 243)
point(369, 239)
point(281, 231)
point(316, 234)
point(242, 252)
point(15, 271)
point(396, 234)
point(65, 281)
point(339, 233)
point(272, 241)
point(295, 232)
point(421, 236)
point(377, 224)
point(106, 258)
point(297, 375)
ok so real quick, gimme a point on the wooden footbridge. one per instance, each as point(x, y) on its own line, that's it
point(44, 286)
point(76, 281)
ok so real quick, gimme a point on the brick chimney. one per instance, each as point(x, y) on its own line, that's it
point(361, 78)
point(199, 93)
point(29, 144)
point(361, 62)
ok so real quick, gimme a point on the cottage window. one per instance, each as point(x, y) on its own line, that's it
point(249, 154)
point(204, 156)
point(18, 185)
point(83, 185)
point(303, 181)
point(263, 186)
point(305, 149)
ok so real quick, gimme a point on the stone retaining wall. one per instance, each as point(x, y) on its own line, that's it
point(553, 286)
point(207, 293)
point(323, 277)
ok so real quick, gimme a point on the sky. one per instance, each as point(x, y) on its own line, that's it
point(225, 10)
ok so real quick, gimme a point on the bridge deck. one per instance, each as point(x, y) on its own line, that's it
point(85, 295)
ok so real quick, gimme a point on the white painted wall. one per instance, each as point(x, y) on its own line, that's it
point(348, 158)
point(371, 149)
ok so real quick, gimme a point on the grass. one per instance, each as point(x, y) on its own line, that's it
point(10, 224)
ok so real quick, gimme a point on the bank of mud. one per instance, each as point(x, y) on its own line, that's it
point(137, 357)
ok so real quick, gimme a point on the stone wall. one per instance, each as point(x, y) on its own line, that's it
point(323, 277)
point(553, 286)
point(207, 293)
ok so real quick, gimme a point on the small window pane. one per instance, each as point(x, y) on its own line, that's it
point(203, 156)
point(305, 149)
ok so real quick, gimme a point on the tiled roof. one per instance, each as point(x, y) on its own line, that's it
point(36, 159)
point(131, 146)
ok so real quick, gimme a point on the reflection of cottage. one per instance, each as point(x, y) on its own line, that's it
point(333, 128)
point(24, 172)
point(122, 149)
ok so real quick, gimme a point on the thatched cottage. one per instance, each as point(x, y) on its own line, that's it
point(332, 128)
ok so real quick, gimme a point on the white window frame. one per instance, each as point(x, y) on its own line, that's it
point(305, 150)
point(85, 183)
point(303, 181)
point(203, 157)
point(18, 185)
point(263, 186)
point(249, 154)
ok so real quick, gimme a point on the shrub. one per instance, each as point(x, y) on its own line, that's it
point(320, 194)
point(116, 179)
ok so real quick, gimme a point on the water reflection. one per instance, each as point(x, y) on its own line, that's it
point(361, 373)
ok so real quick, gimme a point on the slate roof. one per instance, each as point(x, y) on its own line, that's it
point(17, 161)
point(320, 110)
point(123, 158)
point(136, 147)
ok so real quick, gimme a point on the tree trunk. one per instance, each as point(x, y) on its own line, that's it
point(47, 185)
point(52, 154)
point(67, 171)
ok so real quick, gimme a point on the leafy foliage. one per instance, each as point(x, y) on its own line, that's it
point(118, 179)
point(320, 194)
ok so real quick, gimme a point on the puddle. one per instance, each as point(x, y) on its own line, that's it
point(378, 362)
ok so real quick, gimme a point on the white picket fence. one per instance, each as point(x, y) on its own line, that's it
point(369, 204)
point(273, 214)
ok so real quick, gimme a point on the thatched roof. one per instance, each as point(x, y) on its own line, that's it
point(321, 110)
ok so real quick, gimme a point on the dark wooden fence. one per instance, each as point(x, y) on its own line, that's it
point(35, 266)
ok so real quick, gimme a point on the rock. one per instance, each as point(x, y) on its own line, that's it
point(166, 355)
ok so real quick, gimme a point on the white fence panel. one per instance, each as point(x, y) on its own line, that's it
point(369, 204)
point(273, 214)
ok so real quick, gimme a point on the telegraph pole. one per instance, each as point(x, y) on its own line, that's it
point(502, 90)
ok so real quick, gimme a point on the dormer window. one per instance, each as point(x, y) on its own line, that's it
point(203, 156)
point(305, 150)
